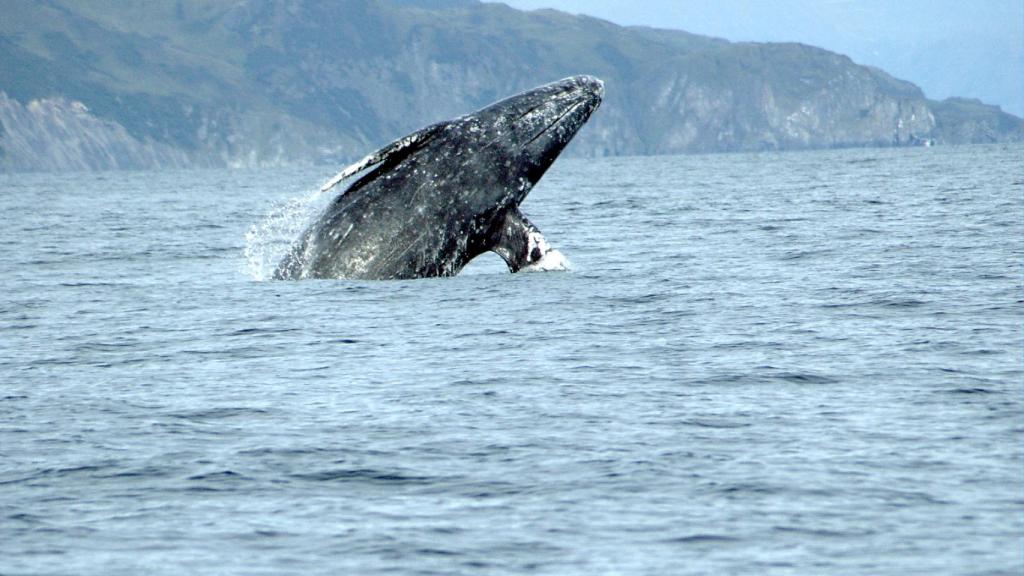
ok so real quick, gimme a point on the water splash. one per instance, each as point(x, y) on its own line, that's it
point(552, 261)
point(267, 241)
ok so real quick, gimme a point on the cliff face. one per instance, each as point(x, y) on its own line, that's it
point(968, 121)
point(761, 96)
point(55, 134)
point(228, 82)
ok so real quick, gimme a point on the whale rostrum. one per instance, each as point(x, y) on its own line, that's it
point(430, 202)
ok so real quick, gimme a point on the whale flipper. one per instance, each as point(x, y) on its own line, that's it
point(396, 150)
point(521, 244)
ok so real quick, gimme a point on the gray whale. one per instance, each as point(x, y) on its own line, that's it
point(432, 201)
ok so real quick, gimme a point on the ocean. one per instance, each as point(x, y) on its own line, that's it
point(776, 363)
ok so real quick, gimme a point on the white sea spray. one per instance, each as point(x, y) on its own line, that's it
point(267, 241)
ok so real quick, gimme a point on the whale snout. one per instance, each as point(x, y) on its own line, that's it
point(591, 84)
point(584, 87)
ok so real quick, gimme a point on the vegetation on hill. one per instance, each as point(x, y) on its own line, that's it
point(134, 83)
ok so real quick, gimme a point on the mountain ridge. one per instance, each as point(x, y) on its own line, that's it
point(133, 84)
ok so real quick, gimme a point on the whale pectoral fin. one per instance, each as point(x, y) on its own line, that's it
point(402, 146)
point(522, 246)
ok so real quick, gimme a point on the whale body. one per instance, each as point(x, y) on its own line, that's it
point(432, 201)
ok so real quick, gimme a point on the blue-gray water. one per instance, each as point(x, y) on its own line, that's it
point(802, 363)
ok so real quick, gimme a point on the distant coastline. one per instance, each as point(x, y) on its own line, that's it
point(207, 84)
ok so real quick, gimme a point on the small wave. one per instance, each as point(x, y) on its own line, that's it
point(436, 552)
point(801, 254)
point(261, 331)
point(216, 413)
point(866, 160)
point(824, 533)
point(746, 489)
point(701, 539)
point(342, 341)
point(49, 473)
point(805, 378)
point(362, 474)
point(144, 472)
point(88, 284)
point(218, 476)
point(900, 302)
point(27, 518)
point(715, 424)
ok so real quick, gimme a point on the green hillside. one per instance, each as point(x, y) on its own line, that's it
point(228, 82)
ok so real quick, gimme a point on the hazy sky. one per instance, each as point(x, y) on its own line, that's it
point(971, 48)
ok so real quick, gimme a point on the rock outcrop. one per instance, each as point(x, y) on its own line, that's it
point(55, 134)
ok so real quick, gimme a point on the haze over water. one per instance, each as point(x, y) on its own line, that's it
point(777, 363)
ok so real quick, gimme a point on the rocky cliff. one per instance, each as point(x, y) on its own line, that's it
point(138, 84)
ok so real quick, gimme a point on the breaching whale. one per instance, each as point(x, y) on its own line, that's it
point(439, 197)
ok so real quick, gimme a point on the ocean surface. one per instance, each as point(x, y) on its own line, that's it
point(798, 363)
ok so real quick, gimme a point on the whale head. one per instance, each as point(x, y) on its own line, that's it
point(525, 133)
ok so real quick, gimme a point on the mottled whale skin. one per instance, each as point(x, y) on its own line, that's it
point(439, 197)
